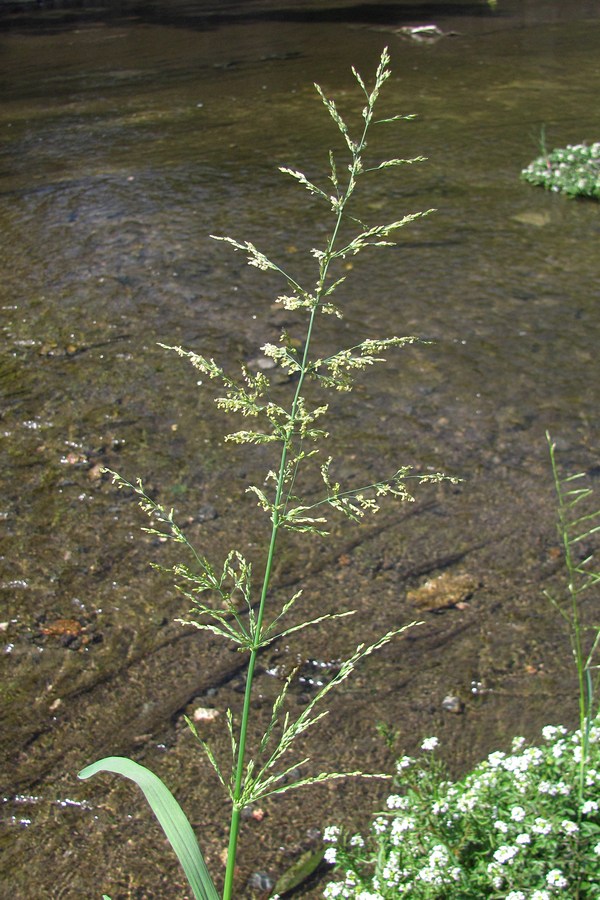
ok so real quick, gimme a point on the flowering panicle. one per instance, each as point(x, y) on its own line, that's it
point(225, 598)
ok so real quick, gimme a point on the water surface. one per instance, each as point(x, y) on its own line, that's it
point(127, 138)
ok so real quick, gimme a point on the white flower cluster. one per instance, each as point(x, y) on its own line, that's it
point(489, 832)
point(573, 170)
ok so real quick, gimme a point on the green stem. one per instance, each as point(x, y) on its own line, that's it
point(238, 787)
point(575, 634)
point(239, 775)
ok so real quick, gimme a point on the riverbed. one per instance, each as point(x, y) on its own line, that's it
point(128, 135)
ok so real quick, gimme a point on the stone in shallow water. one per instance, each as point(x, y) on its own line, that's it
point(533, 217)
point(453, 704)
point(205, 714)
point(445, 591)
point(260, 881)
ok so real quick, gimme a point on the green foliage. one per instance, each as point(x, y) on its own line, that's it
point(513, 828)
point(224, 596)
point(577, 524)
point(520, 826)
point(170, 816)
point(573, 170)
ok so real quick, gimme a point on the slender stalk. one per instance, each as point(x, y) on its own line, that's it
point(234, 829)
point(291, 427)
point(574, 629)
point(239, 775)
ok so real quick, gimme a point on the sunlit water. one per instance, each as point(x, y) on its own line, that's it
point(125, 141)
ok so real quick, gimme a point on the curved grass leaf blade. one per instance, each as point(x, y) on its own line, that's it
point(170, 816)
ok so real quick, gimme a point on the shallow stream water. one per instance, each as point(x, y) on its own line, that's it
point(129, 134)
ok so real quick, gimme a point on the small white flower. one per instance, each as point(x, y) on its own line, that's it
point(541, 826)
point(380, 825)
point(523, 838)
point(505, 854)
point(569, 827)
point(402, 824)
point(495, 759)
point(549, 732)
point(597, 849)
point(515, 895)
point(534, 755)
point(588, 807)
point(517, 813)
point(467, 802)
point(555, 878)
point(429, 743)
point(404, 762)
point(540, 895)
point(331, 833)
point(330, 855)
point(501, 826)
point(438, 856)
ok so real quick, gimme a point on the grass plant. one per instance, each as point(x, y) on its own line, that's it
point(576, 528)
point(227, 599)
point(523, 825)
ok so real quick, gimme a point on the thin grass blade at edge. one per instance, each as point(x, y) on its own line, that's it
point(171, 817)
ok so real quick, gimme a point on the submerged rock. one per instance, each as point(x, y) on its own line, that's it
point(444, 592)
point(423, 33)
point(205, 714)
point(453, 705)
point(261, 882)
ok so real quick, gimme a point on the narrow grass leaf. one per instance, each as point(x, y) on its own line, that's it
point(170, 816)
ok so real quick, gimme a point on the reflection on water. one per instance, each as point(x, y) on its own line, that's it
point(127, 136)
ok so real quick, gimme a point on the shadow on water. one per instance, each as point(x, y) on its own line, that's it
point(123, 144)
point(49, 15)
point(39, 16)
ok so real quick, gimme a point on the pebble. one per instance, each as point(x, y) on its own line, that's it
point(261, 362)
point(205, 714)
point(253, 812)
point(206, 513)
point(444, 591)
point(62, 628)
point(533, 217)
point(453, 704)
point(260, 881)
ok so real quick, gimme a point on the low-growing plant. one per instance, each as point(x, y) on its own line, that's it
point(523, 825)
point(513, 828)
point(576, 527)
point(573, 170)
point(226, 599)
